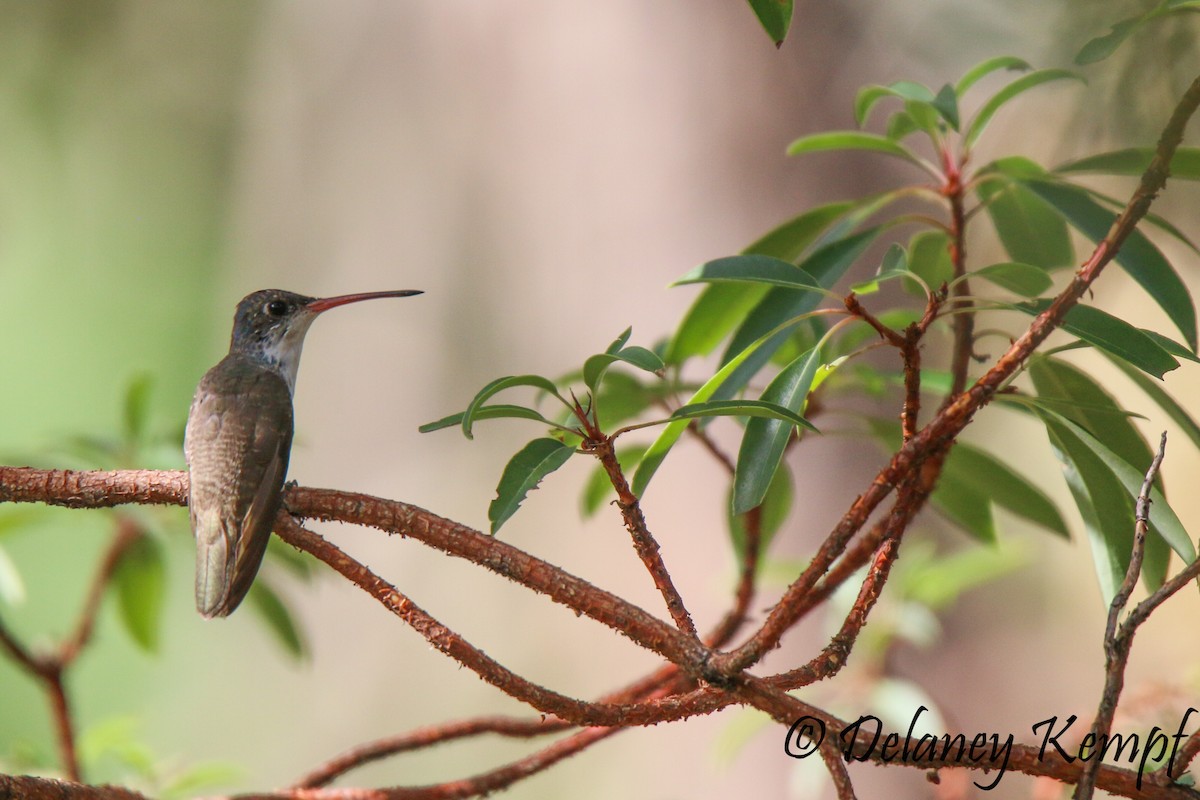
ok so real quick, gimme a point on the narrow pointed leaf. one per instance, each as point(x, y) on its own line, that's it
point(278, 618)
point(776, 505)
point(765, 440)
point(498, 411)
point(982, 70)
point(1101, 47)
point(522, 475)
point(1030, 229)
point(854, 140)
point(775, 16)
point(1023, 279)
point(1023, 84)
point(792, 238)
point(1134, 161)
point(620, 341)
point(1163, 520)
point(1138, 256)
point(929, 258)
point(1106, 512)
point(140, 583)
point(751, 269)
point(595, 367)
point(868, 96)
point(499, 385)
point(1168, 404)
point(720, 308)
point(946, 104)
point(1087, 404)
point(741, 408)
point(901, 124)
point(871, 286)
point(1112, 335)
point(995, 480)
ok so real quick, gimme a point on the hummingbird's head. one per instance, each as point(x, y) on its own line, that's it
point(270, 324)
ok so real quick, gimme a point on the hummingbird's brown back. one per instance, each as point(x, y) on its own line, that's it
point(239, 435)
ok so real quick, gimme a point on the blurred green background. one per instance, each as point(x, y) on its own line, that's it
point(542, 170)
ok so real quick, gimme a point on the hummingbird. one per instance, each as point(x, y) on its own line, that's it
point(239, 437)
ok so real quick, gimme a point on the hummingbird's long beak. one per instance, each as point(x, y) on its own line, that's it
point(326, 303)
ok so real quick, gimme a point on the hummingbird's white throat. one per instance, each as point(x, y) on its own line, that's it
point(282, 352)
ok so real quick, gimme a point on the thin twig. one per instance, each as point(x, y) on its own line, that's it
point(643, 540)
point(1118, 640)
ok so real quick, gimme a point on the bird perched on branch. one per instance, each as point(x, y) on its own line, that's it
point(239, 437)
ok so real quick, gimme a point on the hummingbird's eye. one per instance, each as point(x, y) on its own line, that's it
point(276, 308)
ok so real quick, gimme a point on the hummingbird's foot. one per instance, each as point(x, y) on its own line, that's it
point(287, 487)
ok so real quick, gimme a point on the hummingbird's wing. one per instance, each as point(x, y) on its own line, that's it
point(238, 439)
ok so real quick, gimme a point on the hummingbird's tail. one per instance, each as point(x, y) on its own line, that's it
point(224, 571)
point(214, 573)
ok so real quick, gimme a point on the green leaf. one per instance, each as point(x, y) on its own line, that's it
point(622, 397)
point(965, 506)
point(713, 316)
point(1101, 47)
point(1138, 256)
point(973, 480)
point(1029, 228)
point(765, 440)
point(599, 487)
point(137, 402)
point(776, 505)
point(868, 96)
point(792, 238)
point(1112, 335)
point(929, 258)
point(741, 408)
point(620, 341)
point(722, 307)
point(871, 286)
point(939, 582)
point(140, 583)
point(1134, 161)
point(499, 411)
point(752, 269)
point(946, 104)
point(775, 17)
point(12, 588)
point(1023, 279)
point(982, 70)
point(499, 385)
point(1168, 404)
point(1023, 84)
point(522, 475)
point(901, 124)
point(998, 482)
point(855, 140)
point(1086, 403)
point(1091, 456)
point(274, 612)
point(595, 367)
